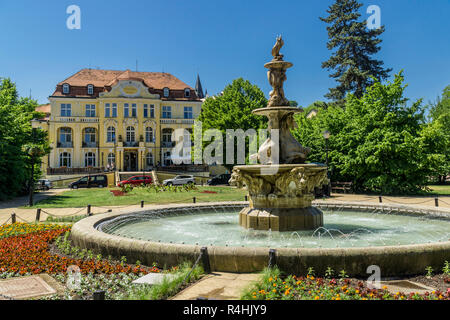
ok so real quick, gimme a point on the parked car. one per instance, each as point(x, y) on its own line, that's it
point(179, 180)
point(99, 181)
point(136, 180)
point(43, 184)
point(219, 179)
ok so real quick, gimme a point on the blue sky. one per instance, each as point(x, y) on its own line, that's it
point(220, 40)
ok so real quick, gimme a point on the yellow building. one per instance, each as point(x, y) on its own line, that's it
point(121, 120)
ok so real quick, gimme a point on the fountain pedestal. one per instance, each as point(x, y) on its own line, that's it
point(280, 196)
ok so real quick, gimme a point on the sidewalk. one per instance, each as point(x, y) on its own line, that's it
point(219, 286)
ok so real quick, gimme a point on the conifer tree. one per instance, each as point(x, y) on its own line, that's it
point(354, 44)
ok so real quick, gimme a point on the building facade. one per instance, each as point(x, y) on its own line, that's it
point(120, 120)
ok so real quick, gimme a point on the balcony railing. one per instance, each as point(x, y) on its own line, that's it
point(76, 119)
point(177, 121)
point(131, 144)
point(64, 145)
point(167, 144)
point(65, 170)
point(90, 144)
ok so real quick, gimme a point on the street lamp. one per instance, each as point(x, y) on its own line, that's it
point(143, 166)
point(326, 134)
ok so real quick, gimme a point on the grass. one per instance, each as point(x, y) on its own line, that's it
point(167, 288)
point(440, 189)
point(103, 197)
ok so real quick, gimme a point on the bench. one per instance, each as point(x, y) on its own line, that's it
point(344, 186)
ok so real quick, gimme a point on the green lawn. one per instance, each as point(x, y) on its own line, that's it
point(103, 197)
point(440, 189)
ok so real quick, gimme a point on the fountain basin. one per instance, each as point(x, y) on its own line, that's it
point(392, 259)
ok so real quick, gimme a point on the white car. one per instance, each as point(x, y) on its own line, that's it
point(179, 180)
point(43, 184)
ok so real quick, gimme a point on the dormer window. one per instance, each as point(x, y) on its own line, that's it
point(66, 88)
point(187, 93)
point(90, 89)
point(166, 92)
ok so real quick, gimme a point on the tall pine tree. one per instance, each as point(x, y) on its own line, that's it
point(354, 44)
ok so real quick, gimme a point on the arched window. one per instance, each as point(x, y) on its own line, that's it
point(111, 134)
point(65, 159)
point(89, 140)
point(167, 135)
point(187, 93)
point(149, 134)
point(90, 89)
point(131, 137)
point(111, 159)
point(65, 138)
point(167, 158)
point(166, 92)
point(149, 159)
point(89, 159)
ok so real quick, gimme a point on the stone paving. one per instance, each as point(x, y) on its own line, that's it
point(29, 287)
point(219, 286)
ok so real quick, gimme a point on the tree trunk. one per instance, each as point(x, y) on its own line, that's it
point(30, 200)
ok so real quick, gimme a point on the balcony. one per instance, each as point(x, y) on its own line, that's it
point(64, 145)
point(167, 144)
point(90, 144)
point(131, 144)
point(77, 119)
point(177, 121)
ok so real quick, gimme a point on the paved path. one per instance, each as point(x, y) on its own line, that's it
point(219, 286)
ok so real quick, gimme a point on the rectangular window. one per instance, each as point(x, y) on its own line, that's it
point(134, 110)
point(188, 112)
point(107, 110)
point(167, 112)
point(66, 110)
point(152, 111)
point(126, 110)
point(90, 110)
point(145, 110)
point(114, 110)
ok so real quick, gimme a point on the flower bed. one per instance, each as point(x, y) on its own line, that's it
point(24, 249)
point(275, 287)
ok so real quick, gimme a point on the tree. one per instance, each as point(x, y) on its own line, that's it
point(15, 133)
point(436, 136)
point(376, 140)
point(233, 110)
point(355, 70)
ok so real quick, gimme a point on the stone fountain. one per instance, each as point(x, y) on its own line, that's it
point(281, 187)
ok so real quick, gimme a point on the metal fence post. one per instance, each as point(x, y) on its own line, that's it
point(194, 200)
point(13, 218)
point(272, 258)
point(142, 203)
point(205, 259)
point(436, 202)
point(38, 215)
point(380, 198)
point(99, 295)
point(89, 210)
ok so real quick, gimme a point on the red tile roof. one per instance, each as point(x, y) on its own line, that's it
point(44, 108)
point(103, 80)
